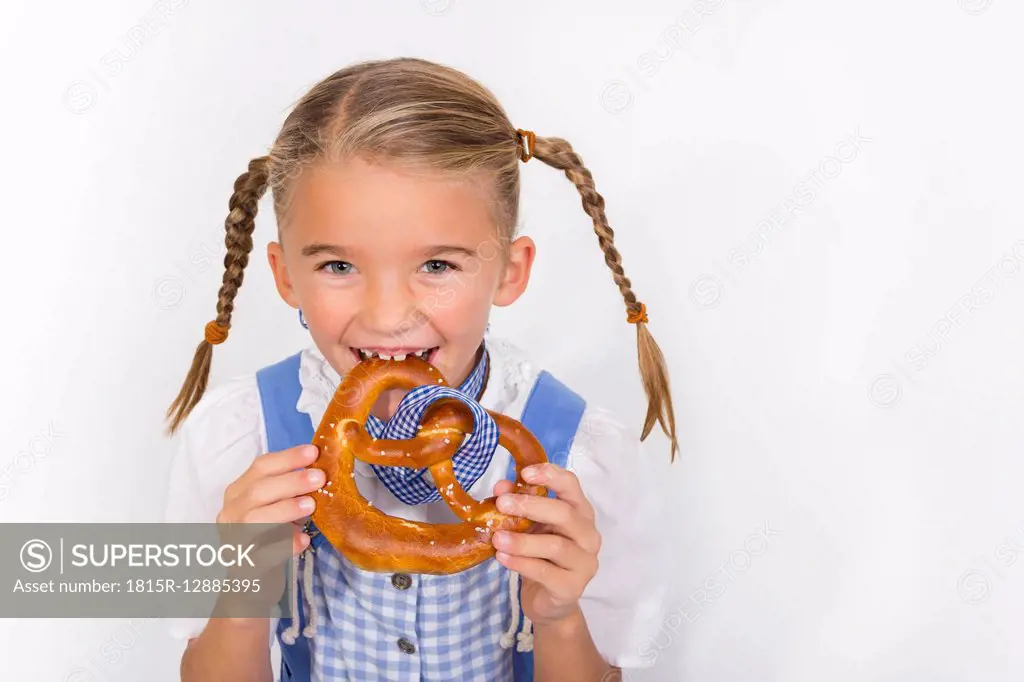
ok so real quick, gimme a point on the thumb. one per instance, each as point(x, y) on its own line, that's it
point(503, 486)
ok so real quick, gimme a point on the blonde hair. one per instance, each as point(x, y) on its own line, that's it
point(425, 115)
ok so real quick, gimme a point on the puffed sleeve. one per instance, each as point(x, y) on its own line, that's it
point(216, 444)
point(625, 603)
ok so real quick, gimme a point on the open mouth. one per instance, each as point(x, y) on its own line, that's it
point(426, 354)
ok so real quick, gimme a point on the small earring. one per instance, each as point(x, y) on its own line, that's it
point(302, 320)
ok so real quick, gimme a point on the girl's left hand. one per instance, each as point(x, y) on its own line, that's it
point(557, 557)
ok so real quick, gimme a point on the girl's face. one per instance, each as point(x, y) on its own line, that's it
point(386, 260)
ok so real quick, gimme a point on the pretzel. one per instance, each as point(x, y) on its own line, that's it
point(375, 541)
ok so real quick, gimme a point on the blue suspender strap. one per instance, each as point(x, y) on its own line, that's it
point(552, 414)
point(279, 390)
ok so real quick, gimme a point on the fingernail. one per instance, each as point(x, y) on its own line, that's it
point(501, 556)
point(309, 451)
point(506, 503)
point(317, 476)
point(501, 539)
point(306, 503)
point(531, 472)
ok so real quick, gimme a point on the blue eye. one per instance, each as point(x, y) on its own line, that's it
point(437, 267)
point(342, 268)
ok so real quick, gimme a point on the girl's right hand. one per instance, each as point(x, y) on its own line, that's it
point(274, 489)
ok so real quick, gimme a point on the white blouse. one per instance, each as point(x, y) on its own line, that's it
point(624, 604)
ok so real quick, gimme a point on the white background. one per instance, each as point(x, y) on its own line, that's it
point(889, 480)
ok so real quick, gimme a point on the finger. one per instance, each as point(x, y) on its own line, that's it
point(283, 511)
point(282, 487)
point(503, 486)
point(557, 549)
point(274, 548)
point(270, 464)
point(562, 518)
point(300, 541)
point(267, 551)
point(293, 533)
point(564, 482)
point(556, 580)
point(283, 461)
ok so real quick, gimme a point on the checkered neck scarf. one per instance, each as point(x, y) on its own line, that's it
point(470, 461)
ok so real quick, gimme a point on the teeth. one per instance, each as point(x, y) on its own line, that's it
point(367, 354)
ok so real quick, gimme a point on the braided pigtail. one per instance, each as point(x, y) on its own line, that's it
point(559, 154)
point(239, 225)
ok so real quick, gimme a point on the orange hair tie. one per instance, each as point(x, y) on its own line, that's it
point(634, 317)
point(215, 333)
point(526, 150)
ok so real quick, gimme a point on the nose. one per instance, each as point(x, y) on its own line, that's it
point(388, 307)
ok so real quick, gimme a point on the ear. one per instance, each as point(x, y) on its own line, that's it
point(516, 274)
point(275, 256)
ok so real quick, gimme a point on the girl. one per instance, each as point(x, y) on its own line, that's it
point(396, 191)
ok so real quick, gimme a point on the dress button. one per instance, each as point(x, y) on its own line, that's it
point(406, 646)
point(401, 581)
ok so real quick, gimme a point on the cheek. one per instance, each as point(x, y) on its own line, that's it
point(460, 305)
point(327, 308)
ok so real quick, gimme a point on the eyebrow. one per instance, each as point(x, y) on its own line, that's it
point(429, 252)
point(445, 248)
point(316, 249)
